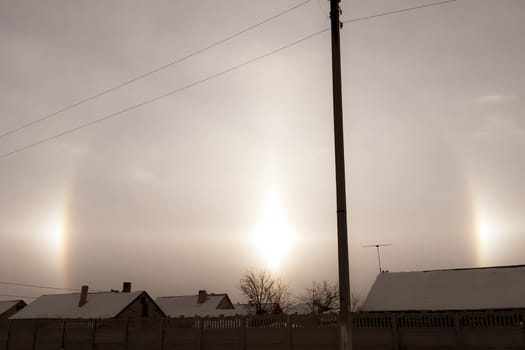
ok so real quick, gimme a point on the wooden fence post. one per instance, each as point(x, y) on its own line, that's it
point(243, 332)
point(395, 332)
point(63, 341)
point(161, 345)
point(8, 335)
point(94, 334)
point(126, 331)
point(458, 332)
point(35, 330)
point(200, 332)
point(289, 341)
point(522, 324)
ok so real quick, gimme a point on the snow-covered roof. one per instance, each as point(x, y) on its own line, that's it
point(188, 306)
point(98, 305)
point(244, 309)
point(300, 309)
point(5, 305)
point(249, 309)
point(458, 289)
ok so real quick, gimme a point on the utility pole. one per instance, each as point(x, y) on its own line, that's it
point(377, 246)
point(345, 334)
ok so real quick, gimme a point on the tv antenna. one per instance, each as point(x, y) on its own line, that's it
point(377, 246)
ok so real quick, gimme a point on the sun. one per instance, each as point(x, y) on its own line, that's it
point(273, 237)
point(487, 237)
point(54, 236)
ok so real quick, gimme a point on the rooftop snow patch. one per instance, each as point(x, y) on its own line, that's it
point(458, 289)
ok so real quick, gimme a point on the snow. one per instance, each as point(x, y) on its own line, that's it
point(459, 289)
point(99, 305)
point(6, 305)
point(187, 306)
point(244, 309)
point(249, 309)
point(300, 309)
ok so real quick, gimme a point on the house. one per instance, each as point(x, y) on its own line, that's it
point(301, 309)
point(202, 304)
point(98, 305)
point(251, 309)
point(487, 288)
point(309, 309)
point(10, 307)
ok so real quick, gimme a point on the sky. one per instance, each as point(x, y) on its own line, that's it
point(237, 173)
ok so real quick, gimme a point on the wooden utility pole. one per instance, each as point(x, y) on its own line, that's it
point(345, 335)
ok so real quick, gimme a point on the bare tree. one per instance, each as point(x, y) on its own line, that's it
point(324, 297)
point(356, 300)
point(265, 293)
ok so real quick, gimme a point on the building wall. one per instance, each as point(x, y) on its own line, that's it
point(142, 308)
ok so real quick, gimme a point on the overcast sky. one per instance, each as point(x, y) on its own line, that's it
point(237, 173)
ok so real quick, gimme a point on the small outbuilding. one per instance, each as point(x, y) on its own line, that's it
point(486, 288)
point(10, 307)
point(97, 305)
point(202, 305)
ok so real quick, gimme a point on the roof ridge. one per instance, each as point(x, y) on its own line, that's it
point(457, 269)
point(193, 295)
point(478, 268)
point(91, 293)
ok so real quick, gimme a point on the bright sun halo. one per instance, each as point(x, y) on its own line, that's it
point(273, 237)
point(54, 236)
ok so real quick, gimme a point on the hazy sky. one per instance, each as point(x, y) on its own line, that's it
point(238, 172)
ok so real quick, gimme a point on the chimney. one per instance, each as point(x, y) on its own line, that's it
point(126, 287)
point(202, 296)
point(83, 296)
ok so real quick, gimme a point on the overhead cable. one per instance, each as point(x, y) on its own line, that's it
point(397, 11)
point(154, 99)
point(133, 107)
point(37, 286)
point(153, 71)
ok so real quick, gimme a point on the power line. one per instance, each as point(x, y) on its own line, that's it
point(16, 296)
point(37, 286)
point(398, 11)
point(116, 114)
point(172, 92)
point(153, 71)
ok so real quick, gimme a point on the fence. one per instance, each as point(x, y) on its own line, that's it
point(400, 331)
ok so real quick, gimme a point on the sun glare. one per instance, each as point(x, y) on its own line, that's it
point(487, 235)
point(273, 237)
point(54, 236)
